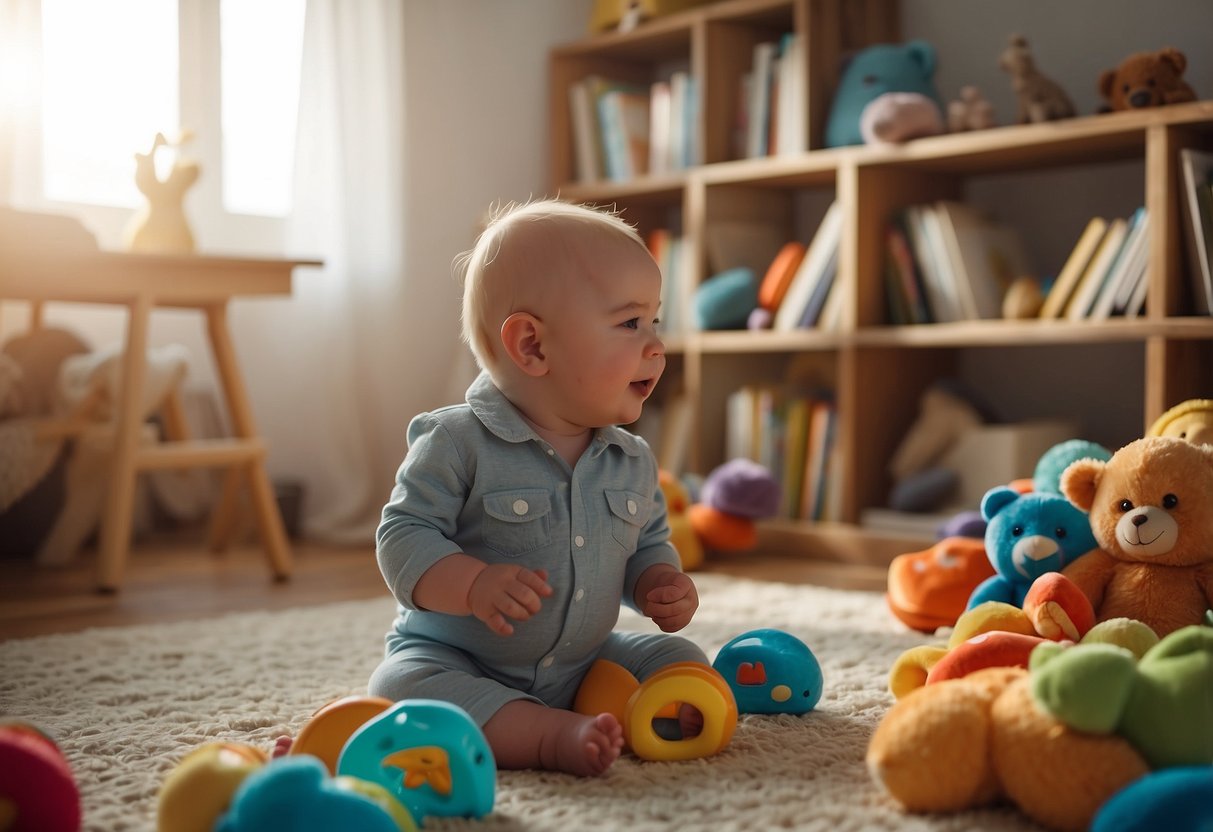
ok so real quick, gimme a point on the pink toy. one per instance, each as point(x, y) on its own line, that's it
point(37, 790)
point(897, 117)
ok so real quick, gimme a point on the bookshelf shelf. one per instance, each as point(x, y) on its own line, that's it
point(878, 372)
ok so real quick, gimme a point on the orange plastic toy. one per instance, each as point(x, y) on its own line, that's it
point(929, 589)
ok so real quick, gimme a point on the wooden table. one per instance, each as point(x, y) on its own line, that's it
point(141, 283)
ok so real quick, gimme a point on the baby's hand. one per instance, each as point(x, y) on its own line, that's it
point(503, 591)
point(672, 602)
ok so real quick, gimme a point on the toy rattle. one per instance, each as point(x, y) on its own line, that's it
point(770, 672)
point(609, 688)
point(327, 732)
point(37, 789)
point(429, 755)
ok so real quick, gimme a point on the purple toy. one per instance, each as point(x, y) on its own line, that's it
point(743, 488)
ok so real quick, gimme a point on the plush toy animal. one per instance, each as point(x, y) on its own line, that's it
point(970, 111)
point(1151, 511)
point(976, 740)
point(1147, 79)
point(873, 72)
point(1191, 420)
point(1039, 98)
point(1027, 536)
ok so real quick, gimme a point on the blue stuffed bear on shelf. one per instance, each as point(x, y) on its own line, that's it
point(873, 72)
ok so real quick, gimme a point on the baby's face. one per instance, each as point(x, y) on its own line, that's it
point(602, 345)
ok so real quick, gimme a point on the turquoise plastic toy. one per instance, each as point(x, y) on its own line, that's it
point(770, 672)
point(296, 794)
point(429, 754)
point(1171, 798)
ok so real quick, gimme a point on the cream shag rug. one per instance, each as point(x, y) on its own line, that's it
point(126, 704)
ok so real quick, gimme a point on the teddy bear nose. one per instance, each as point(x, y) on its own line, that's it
point(1140, 520)
point(1141, 98)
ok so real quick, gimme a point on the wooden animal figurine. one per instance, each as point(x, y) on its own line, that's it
point(1040, 98)
point(160, 225)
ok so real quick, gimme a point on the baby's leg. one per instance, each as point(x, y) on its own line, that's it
point(526, 734)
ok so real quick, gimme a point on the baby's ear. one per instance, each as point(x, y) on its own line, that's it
point(522, 340)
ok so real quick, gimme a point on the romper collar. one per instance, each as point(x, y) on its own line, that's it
point(503, 420)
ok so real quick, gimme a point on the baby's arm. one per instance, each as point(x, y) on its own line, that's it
point(460, 584)
point(666, 595)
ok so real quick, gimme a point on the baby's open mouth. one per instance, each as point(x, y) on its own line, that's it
point(643, 387)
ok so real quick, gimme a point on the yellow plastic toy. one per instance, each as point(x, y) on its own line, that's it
point(199, 790)
point(610, 688)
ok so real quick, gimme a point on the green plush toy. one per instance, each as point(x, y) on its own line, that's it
point(1162, 704)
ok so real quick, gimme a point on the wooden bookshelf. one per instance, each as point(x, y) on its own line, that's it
point(879, 371)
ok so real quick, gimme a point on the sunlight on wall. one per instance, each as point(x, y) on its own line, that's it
point(109, 84)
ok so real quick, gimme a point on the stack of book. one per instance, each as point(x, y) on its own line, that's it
point(947, 261)
point(1198, 204)
point(771, 101)
point(668, 250)
point(791, 433)
point(623, 130)
point(807, 301)
point(1105, 273)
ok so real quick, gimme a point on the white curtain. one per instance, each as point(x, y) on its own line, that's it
point(320, 368)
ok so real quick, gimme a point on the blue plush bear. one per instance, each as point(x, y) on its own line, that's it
point(873, 72)
point(1028, 535)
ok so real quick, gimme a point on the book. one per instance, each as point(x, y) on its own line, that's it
point(812, 270)
point(758, 108)
point(587, 139)
point(796, 437)
point(986, 256)
point(1076, 263)
point(902, 255)
point(937, 266)
point(1137, 301)
point(817, 300)
point(821, 437)
point(660, 111)
point(1088, 286)
point(1129, 266)
point(1198, 231)
point(624, 116)
point(791, 132)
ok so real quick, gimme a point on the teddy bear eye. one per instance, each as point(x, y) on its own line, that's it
point(1016, 531)
point(1169, 501)
point(1125, 505)
point(1059, 532)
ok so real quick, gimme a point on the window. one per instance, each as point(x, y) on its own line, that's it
point(116, 73)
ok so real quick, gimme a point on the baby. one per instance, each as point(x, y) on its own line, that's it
point(522, 519)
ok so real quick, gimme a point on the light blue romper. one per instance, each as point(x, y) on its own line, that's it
point(477, 479)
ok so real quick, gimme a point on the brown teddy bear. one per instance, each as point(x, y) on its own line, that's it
point(1147, 79)
point(968, 742)
point(1151, 511)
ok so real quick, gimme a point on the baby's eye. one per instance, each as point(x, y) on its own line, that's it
point(632, 323)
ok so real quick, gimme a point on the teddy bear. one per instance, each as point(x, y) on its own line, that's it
point(976, 740)
point(1147, 79)
point(1149, 509)
point(1191, 420)
point(874, 71)
point(1028, 535)
point(1039, 98)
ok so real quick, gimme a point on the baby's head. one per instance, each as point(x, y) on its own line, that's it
point(559, 306)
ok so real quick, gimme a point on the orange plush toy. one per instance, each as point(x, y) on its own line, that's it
point(1147, 79)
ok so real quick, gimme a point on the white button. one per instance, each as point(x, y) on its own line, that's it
point(520, 507)
point(631, 506)
point(579, 540)
point(580, 594)
point(551, 452)
point(548, 661)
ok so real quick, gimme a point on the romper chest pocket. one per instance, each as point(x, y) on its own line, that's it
point(517, 521)
point(629, 512)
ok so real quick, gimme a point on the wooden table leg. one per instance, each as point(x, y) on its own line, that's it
point(269, 520)
point(223, 519)
point(120, 502)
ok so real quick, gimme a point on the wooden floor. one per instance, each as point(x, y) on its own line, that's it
point(173, 581)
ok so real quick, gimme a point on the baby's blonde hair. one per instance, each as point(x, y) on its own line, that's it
point(492, 268)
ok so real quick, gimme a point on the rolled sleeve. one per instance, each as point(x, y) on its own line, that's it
point(418, 522)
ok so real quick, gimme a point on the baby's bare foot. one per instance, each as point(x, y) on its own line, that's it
point(589, 745)
point(282, 747)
